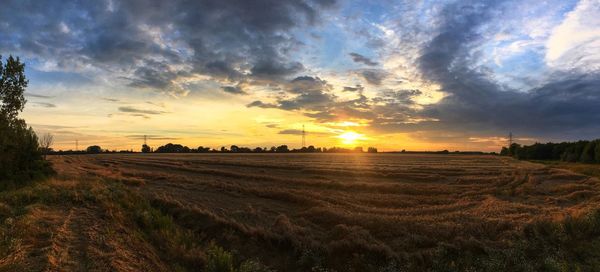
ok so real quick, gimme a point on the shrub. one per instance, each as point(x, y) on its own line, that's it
point(218, 260)
point(587, 155)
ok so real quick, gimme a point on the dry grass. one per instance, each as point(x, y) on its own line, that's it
point(343, 212)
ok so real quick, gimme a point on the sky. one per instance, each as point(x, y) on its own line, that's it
point(414, 75)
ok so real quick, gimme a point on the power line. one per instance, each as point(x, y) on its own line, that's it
point(510, 139)
point(76, 145)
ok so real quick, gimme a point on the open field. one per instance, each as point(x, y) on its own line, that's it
point(302, 212)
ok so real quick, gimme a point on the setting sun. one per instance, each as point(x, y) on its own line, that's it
point(350, 137)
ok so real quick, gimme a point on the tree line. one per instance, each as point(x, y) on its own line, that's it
point(21, 155)
point(178, 148)
point(580, 151)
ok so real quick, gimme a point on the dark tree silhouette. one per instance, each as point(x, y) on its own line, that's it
point(282, 149)
point(202, 149)
point(94, 149)
point(12, 87)
point(20, 156)
point(173, 148)
point(580, 151)
point(46, 143)
point(146, 148)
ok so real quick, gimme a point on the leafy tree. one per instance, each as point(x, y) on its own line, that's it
point(94, 149)
point(202, 149)
point(173, 148)
point(12, 87)
point(146, 148)
point(20, 156)
point(282, 149)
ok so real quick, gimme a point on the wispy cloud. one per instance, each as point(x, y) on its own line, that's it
point(362, 59)
point(140, 111)
point(44, 104)
point(38, 95)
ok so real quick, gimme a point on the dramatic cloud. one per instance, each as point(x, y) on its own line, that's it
point(437, 70)
point(575, 43)
point(155, 44)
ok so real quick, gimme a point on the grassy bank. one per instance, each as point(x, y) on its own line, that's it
point(57, 223)
point(588, 169)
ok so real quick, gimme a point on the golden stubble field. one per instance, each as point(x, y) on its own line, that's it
point(339, 210)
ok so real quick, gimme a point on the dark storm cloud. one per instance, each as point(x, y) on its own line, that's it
point(362, 59)
point(476, 102)
point(139, 111)
point(148, 39)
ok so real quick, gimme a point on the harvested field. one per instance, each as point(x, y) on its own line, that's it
point(327, 212)
point(382, 207)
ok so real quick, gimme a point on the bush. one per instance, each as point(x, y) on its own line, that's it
point(218, 260)
point(587, 155)
point(19, 152)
